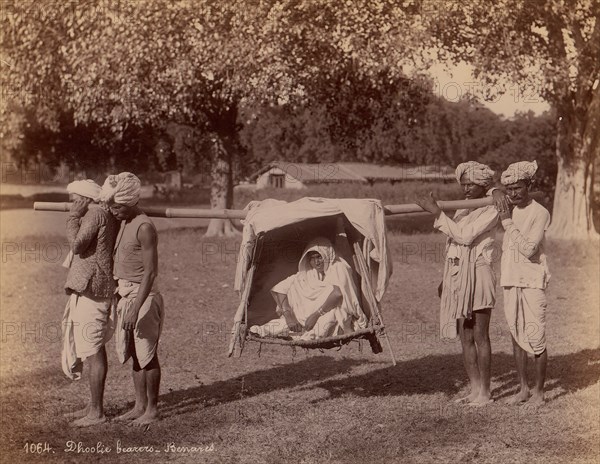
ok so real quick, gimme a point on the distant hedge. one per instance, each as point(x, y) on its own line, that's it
point(401, 192)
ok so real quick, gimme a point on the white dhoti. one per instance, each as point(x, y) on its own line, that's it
point(525, 311)
point(88, 324)
point(148, 328)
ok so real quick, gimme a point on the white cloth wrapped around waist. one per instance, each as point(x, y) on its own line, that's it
point(148, 327)
point(525, 311)
point(128, 289)
point(88, 324)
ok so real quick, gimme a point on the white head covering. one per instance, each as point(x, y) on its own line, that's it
point(523, 170)
point(322, 246)
point(86, 188)
point(478, 173)
point(123, 188)
point(307, 291)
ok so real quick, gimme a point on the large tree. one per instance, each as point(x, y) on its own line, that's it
point(549, 49)
point(198, 63)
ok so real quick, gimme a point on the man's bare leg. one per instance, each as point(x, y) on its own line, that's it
point(537, 396)
point(521, 361)
point(152, 374)
point(481, 329)
point(141, 398)
point(97, 377)
point(465, 329)
point(77, 413)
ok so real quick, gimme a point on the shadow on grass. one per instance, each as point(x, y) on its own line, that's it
point(565, 374)
point(445, 373)
point(255, 383)
point(428, 375)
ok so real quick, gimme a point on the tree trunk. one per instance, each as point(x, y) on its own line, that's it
point(577, 146)
point(221, 189)
point(572, 210)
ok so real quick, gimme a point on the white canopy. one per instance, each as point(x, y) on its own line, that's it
point(366, 215)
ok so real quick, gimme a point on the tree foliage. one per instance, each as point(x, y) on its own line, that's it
point(197, 63)
point(193, 73)
point(552, 46)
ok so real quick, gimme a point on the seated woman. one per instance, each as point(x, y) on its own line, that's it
point(320, 300)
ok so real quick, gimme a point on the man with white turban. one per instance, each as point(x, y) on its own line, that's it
point(87, 324)
point(468, 290)
point(123, 189)
point(140, 310)
point(524, 277)
point(86, 188)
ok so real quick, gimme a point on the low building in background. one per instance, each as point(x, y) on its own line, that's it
point(280, 174)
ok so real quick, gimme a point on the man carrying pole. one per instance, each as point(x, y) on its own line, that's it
point(140, 310)
point(469, 282)
point(87, 322)
point(524, 277)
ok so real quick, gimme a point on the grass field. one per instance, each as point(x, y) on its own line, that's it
point(333, 407)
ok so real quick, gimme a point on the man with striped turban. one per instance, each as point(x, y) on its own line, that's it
point(87, 322)
point(524, 277)
point(140, 310)
point(468, 290)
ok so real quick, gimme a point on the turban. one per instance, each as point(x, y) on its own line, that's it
point(122, 188)
point(478, 173)
point(86, 188)
point(523, 170)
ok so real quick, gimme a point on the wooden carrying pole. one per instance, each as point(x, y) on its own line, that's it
point(389, 210)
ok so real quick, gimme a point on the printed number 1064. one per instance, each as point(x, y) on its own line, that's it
point(37, 448)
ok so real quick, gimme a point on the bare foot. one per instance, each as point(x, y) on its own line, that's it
point(481, 401)
point(537, 400)
point(130, 415)
point(147, 418)
point(88, 421)
point(76, 414)
point(520, 397)
point(467, 399)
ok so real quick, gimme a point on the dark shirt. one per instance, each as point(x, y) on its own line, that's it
point(92, 239)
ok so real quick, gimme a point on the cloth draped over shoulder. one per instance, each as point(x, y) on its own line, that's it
point(457, 291)
point(366, 215)
point(470, 237)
